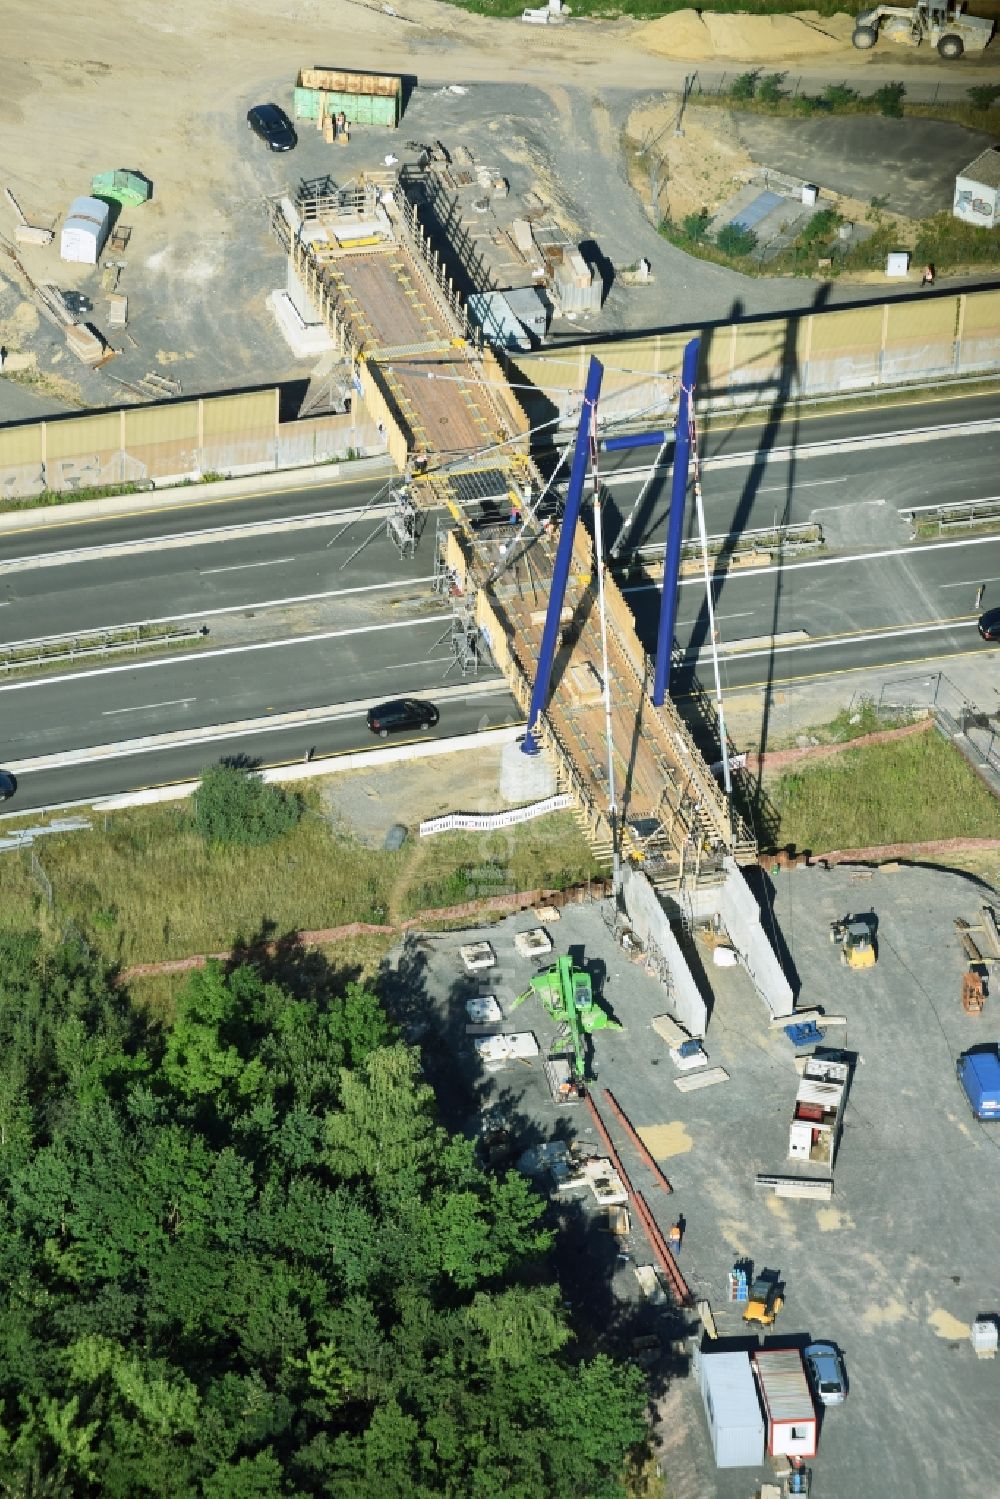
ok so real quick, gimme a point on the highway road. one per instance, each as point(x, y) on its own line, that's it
point(297, 622)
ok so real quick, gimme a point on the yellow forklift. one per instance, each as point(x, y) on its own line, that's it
point(856, 935)
point(764, 1299)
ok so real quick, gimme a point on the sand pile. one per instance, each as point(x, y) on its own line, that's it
point(701, 37)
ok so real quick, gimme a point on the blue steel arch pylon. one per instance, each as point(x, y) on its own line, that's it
point(585, 442)
point(564, 553)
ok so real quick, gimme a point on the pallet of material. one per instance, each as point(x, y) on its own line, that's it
point(86, 344)
point(802, 1017)
point(668, 1030)
point(796, 1186)
point(649, 1284)
point(692, 1080)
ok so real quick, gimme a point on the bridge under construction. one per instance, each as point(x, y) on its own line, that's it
point(643, 792)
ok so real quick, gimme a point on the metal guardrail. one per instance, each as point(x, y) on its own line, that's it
point(934, 519)
point(50, 650)
point(801, 537)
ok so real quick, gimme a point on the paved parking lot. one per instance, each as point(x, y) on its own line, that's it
point(893, 1269)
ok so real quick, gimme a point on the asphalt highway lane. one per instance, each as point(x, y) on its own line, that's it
point(477, 707)
point(306, 615)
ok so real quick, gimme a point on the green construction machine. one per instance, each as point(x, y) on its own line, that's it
point(568, 996)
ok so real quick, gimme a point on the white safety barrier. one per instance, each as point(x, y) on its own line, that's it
point(487, 822)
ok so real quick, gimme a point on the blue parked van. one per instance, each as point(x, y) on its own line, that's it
point(979, 1074)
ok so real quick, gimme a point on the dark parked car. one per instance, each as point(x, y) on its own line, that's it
point(8, 785)
point(401, 714)
point(989, 624)
point(273, 126)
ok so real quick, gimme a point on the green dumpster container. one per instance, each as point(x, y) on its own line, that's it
point(123, 187)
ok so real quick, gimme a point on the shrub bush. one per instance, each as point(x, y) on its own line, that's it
point(694, 226)
point(983, 95)
point(745, 86)
point(770, 91)
point(734, 240)
point(888, 99)
point(839, 96)
point(235, 805)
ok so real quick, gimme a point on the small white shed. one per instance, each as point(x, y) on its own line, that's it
point(735, 1422)
point(977, 190)
point(85, 230)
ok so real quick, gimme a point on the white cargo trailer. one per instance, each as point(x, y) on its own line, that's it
point(735, 1421)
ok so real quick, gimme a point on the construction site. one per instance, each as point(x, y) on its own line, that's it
point(734, 1085)
point(733, 1198)
point(692, 1073)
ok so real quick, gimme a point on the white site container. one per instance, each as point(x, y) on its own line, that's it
point(788, 1402)
point(810, 192)
point(735, 1422)
point(85, 231)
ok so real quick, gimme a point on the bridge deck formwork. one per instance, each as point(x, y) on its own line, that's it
point(457, 432)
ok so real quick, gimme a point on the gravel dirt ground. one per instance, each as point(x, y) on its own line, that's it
point(166, 92)
point(893, 1269)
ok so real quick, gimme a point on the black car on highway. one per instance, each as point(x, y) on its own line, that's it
point(400, 714)
point(8, 785)
point(273, 126)
point(989, 624)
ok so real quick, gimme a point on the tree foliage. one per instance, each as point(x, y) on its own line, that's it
point(244, 1259)
point(234, 804)
point(735, 240)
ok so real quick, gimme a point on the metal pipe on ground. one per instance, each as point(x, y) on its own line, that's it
point(678, 1285)
point(626, 1123)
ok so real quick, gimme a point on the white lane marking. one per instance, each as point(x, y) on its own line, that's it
point(228, 650)
point(239, 531)
point(800, 484)
point(838, 640)
point(734, 574)
point(295, 598)
point(281, 723)
point(241, 567)
point(972, 583)
point(175, 702)
point(834, 446)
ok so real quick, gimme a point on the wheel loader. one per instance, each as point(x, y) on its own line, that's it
point(857, 941)
point(945, 26)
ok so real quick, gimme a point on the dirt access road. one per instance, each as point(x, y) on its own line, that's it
point(158, 88)
point(165, 90)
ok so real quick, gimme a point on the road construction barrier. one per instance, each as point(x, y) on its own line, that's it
point(488, 822)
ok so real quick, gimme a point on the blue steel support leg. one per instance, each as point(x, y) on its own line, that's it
point(564, 552)
point(675, 530)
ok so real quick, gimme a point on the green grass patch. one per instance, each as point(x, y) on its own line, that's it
point(71, 496)
point(144, 886)
point(857, 720)
point(910, 791)
point(456, 867)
